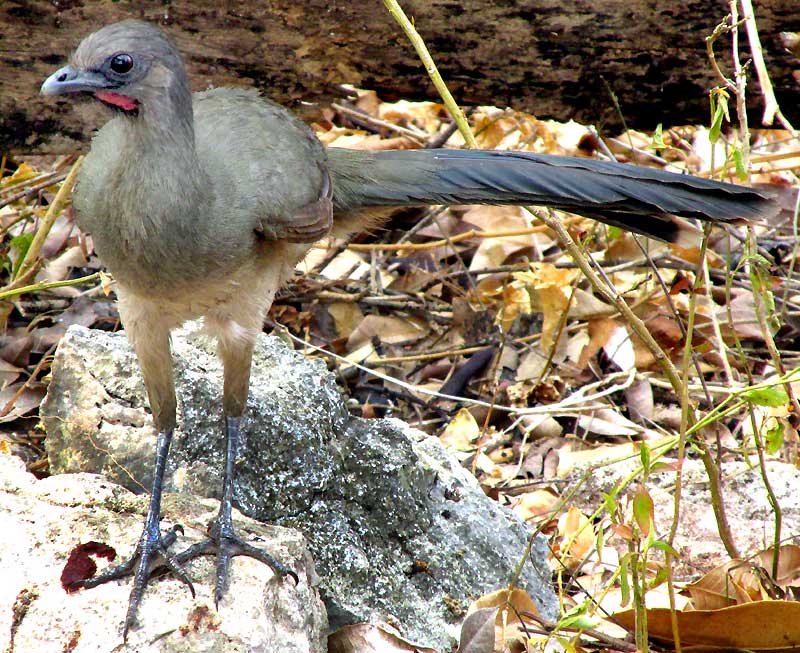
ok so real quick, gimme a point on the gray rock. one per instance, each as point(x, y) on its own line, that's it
point(371, 496)
point(42, 521)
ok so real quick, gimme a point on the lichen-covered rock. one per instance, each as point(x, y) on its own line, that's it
point(371, 496)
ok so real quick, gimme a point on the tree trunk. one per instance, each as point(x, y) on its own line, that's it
point(595, 62)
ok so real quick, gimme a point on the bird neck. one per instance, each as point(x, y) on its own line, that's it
point(159, 145)
point(152, 183)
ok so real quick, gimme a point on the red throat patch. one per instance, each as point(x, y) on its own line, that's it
point(117, 99)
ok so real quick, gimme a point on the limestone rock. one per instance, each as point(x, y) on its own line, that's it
point(44, 520)
point(371, 496)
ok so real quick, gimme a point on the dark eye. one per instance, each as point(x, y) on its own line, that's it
point(121, 63)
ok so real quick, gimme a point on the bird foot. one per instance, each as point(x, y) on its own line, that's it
point(151, 553)
point(223, 542)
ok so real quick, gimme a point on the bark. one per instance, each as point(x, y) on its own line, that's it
point(555, 59)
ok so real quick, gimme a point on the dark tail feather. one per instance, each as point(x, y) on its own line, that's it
point(634, 198)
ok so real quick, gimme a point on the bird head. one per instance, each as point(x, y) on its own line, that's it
point(130, 66)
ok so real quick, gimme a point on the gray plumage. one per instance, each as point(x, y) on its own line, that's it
point(201, 205)
point(642, 200)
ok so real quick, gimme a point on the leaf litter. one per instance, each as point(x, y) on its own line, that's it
point(539, 378)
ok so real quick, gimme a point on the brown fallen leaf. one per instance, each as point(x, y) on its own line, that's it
point(758, 626)
point(478, 632)
point(462, 433)
point(744, 581)
point(17, 401)
point(371, 638)
point(512, 611)
point(389, 329)
point(576, 538)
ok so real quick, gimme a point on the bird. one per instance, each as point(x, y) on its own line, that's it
point(201, 204)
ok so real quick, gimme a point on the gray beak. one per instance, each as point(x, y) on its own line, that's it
point(69, 80)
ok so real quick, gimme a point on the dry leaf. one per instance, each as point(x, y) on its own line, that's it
point(478, 632)
point(22, 404)
point(390, 330)
point(533, 505)
point(511, 610)
point(346, 317)
point(761, 626)
point(552, 288)
point(576, 538)
point(371, 638)
point(607, 422)
point(462, 433)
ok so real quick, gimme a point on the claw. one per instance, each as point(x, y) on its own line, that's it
point(152, 549)
point(150, 554)
point(226, 548)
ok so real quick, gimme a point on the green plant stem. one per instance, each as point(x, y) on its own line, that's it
point(46, 285)
point(32, 255)
point(419, 45)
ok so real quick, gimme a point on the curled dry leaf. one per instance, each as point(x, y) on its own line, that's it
point(18, 400)
point(607, 422)
point(760, 626)
point(576, 538)
point(551, 287)
point(532, 506)
point(389, 329)
point(493, 252)
point(462, 433)
point(744, 581)
point(372, 638)
point(478, 632)
point(512, 610)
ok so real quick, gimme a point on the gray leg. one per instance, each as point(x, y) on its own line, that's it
point(149, 335)
point(237, 355)
point(151, 550)
point(222, 539)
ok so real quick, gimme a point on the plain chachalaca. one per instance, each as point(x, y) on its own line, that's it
point(201, 205)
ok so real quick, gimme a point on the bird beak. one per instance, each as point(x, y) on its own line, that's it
point(69, 80)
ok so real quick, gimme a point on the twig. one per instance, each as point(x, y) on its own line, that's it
point(356, 114)
point(44, 228)
point(419, 45)
point(578, 401)
point(771, 107)
point(47, 285)
point(43, 182)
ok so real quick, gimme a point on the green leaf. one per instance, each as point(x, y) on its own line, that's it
point(21, 244)
point(772, 396)
point(577, 618)
point(738, 160)
point(643, 509)
point(644, 456)
point(658, 138)
point(664, 546)
point(661, 466)
point(773, 439)
point(624, 587)
point(579, 622)
point(610, 503)
point(716, 123)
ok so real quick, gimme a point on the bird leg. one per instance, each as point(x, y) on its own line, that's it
point(222, 539)
point(152, 549)
point(148, 332)
point(235, 347)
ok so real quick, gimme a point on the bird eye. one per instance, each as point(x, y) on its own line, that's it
point(121, 63)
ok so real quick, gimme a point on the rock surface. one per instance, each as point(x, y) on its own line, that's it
point(42, 521)
point(371, 496)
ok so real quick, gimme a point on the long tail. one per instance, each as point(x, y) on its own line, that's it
point(638, 199)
